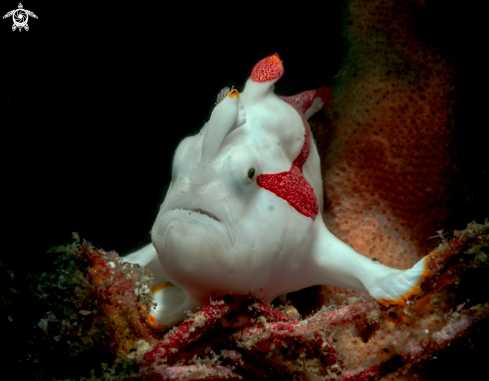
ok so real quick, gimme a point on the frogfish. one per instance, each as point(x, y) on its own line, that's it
point(243, 212)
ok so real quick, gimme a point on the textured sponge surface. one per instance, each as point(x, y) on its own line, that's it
point(386, 146)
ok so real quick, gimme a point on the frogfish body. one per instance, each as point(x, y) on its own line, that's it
point(243, 213)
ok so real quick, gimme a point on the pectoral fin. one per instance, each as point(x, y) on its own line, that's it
point(398, 288)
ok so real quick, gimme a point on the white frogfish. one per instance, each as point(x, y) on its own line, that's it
point(243, 213)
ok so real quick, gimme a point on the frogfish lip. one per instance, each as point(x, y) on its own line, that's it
point(206, 213)
point(185, 217)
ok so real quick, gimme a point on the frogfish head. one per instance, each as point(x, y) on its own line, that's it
point(245, 191)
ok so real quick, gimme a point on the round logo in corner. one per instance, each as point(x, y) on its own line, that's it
point(20, 16)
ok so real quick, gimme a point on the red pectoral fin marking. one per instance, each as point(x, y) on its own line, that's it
point(292, 186)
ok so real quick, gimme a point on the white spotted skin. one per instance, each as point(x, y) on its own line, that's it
point(261, 245)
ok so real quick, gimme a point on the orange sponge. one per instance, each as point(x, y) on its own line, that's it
point(386, 145)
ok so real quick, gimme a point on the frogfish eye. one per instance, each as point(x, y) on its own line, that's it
point(251, 172)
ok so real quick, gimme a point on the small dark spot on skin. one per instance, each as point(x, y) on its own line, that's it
point(392, 314)
point(385, 350)
point(375, 259)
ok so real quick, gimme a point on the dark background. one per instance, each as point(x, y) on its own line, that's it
point(95, 99)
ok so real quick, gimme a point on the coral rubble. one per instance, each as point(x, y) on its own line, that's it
point(94, 319)
point(90, 309)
